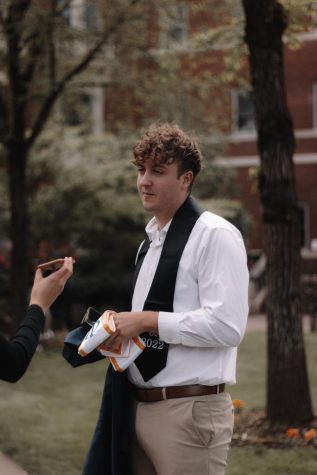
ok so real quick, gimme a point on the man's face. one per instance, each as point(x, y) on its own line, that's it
point(160, 188)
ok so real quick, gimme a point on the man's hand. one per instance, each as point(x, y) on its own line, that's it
point(131, 324)
point(46, 289)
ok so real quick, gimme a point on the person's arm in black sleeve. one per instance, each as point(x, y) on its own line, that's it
point(15, 355)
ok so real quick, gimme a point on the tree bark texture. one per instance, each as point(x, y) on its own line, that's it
point(16, 164)
point(16, 151)
point(288, 395)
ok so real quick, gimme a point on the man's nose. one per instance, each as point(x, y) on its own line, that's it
point(146, 178)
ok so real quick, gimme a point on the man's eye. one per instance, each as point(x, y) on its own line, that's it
point(158, 172)
point(140, 170)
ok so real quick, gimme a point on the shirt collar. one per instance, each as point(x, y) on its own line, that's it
point(155, 234)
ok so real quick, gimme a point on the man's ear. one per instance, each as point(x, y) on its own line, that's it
point(188, 178)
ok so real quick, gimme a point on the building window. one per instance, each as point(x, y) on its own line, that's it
point(304, 224)
point(242, 111)
point(84, 108)
point(79, 13)
point(178, 28)
point(237, 10)
point(174, 25)
point(77, 109)
point(90, 16)
point(65, 10)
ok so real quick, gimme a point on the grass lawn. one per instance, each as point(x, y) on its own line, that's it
point(251, 389)
point(48, 418)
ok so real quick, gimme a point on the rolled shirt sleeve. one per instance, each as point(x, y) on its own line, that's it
point(220, 316)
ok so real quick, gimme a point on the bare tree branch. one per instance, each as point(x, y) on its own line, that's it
point(20, 7)
point(16, 12)
point(35, 53)
point(63, 7)
point(51, 98)
point(56, 92)
point(31, 37)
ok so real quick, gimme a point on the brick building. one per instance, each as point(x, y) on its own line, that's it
point(241, 154)
point(301, 85)
point(119, 103)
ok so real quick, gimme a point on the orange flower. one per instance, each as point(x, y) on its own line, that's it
point(292, 433)
point(238, 404)
point(310, 434)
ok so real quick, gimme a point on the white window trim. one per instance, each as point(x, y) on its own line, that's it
point(76, 14)
point(97, 103)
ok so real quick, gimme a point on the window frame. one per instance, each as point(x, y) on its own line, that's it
point(235, 96)
point(172, 21)
point(305, 224)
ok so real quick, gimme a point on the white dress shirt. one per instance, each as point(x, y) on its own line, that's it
point(210, 304)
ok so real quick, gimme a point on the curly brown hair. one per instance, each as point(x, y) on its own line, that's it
point(165, 143)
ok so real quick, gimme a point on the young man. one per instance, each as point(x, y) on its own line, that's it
point(190, 304)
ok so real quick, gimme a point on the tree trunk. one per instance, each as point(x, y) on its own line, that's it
point(16, 164)
point(288, 396)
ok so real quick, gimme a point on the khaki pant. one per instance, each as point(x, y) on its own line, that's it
point(185, 436)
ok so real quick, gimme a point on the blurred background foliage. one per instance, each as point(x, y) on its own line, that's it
point(83, 202)
point(87, 206)
point(80, 189)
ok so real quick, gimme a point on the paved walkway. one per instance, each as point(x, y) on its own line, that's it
point(258, 323)
point(8, 467)
point(255, 323)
